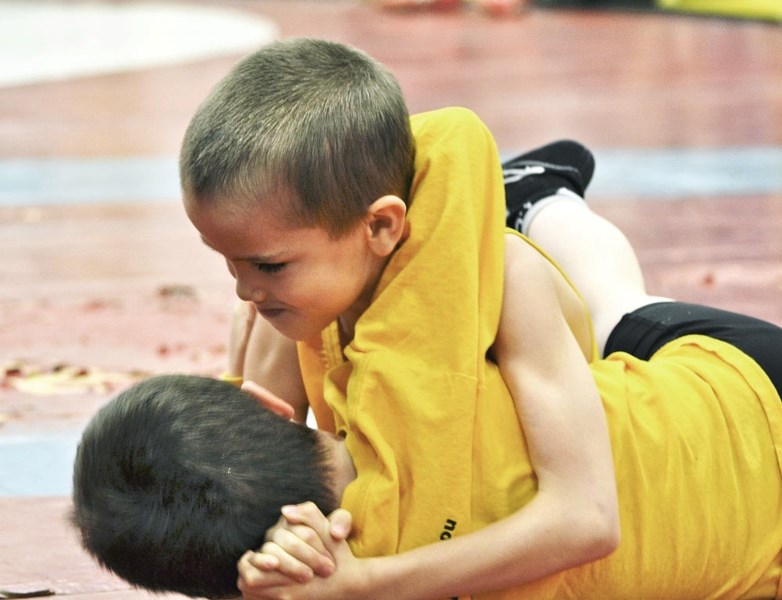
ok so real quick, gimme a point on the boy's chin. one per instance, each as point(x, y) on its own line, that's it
point(292, 328)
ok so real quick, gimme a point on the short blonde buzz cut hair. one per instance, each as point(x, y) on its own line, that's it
point(318, 126)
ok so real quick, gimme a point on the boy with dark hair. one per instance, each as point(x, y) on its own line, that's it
point(177, 476)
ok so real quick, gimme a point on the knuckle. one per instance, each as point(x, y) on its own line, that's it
point(278, 535)
point(306, 534)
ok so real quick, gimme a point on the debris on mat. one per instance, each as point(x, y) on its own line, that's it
point(62, 379)
point(30, 594)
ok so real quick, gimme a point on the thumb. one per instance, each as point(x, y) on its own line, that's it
point(341, 522)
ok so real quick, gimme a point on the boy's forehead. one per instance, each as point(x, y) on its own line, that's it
point(259, 239)
point(276, 210)
point(250, 255)
point(241, 225)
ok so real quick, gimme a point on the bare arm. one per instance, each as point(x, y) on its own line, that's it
point(559, 409)
point(259, 353)
point(573, 518)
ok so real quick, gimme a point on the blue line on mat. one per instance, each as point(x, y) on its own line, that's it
point(653, 174)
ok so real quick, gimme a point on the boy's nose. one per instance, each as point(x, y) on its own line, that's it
point(249, 291)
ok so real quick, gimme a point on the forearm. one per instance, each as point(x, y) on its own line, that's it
point(242, 322)
point(259, 353)
point(271, 360)
point(543, 538)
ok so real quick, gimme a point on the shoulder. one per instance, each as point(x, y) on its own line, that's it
point(533, 280)
point(523, 259)
point(531, 265)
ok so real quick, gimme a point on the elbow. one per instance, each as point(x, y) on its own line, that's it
point(607, 537)
point(600, 532)
point(593, 532)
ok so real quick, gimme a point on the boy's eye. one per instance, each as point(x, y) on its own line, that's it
point(270, 267)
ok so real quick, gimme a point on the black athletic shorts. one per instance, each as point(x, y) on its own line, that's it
point(644, 331)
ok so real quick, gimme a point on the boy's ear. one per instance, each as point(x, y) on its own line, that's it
point(387, 224)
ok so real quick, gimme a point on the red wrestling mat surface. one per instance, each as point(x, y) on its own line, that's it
point(94, 295)
point(39, 552)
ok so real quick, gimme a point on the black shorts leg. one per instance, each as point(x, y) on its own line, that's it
point(644, 331)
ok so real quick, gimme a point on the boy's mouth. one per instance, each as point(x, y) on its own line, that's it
point(270, 313)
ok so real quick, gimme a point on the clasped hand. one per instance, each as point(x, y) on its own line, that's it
point(305, 556)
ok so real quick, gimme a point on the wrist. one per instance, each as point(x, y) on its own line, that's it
point(228, 376)
point(382, 578)
point(371, 582)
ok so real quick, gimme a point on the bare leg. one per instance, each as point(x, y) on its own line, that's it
point(597, 257)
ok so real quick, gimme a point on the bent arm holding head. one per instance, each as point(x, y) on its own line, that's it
point(573, 518)
point(258, 353)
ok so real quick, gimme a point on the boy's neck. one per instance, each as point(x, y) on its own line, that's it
point(347, 329)
point(347, 320)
